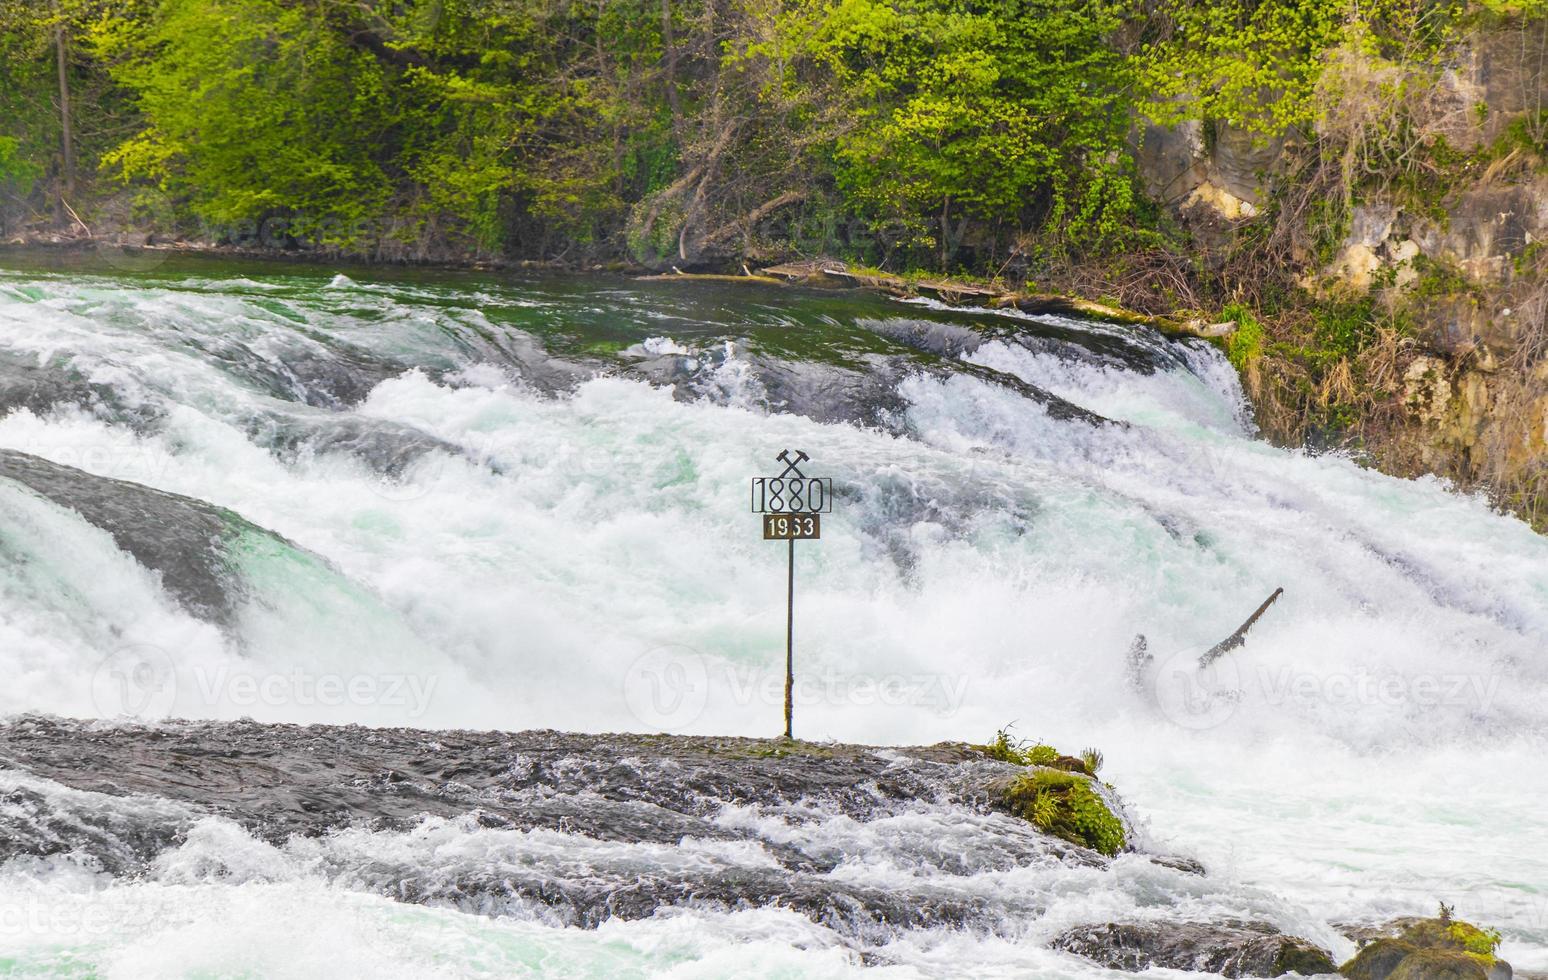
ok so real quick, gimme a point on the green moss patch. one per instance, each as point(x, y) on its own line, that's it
point(1439, 964)
point(1020, 753)
point(1440, 948)
point(1377, 959)
point(1245, 344)
point(1454, 934)
point(1065, 805)
point(1058, 795)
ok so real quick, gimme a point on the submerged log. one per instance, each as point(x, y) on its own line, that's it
point(677, 275)
point(1239, 637)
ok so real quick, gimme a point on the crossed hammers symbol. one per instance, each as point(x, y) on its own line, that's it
point(790, 464)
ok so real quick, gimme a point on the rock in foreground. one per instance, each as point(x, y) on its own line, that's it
point(1251, 949)
point(1441, 948)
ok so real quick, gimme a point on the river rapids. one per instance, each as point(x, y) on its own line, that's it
point(241, 497)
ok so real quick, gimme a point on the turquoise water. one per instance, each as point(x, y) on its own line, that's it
point(578, 536)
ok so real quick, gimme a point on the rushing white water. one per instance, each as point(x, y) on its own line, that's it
point(585, 561)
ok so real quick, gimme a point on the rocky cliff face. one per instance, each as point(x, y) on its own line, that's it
point(1453, 245)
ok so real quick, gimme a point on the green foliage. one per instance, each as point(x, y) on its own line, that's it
point(27, 119)
point(1438, 279)
point(1481, 943)
point(334, 119)
point(1515, 8)
point(1251, 65)
point(1245, 344)
point(1010, 111)
point(935, 133)
point(1528, 133)
point(1065, 804)
point(247, 102)
point(1261, 65)
point(16, 172)
point(1018, 752)
point(1093, 760)
point(1342, 329)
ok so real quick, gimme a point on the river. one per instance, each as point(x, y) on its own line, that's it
point(518, 501)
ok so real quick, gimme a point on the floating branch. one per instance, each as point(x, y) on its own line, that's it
point(1236, 639)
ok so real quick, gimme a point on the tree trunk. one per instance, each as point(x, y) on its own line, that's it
point(67, 133)
point(945, 228)
point(669, 52)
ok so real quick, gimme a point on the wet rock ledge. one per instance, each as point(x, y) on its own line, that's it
point(576, 829)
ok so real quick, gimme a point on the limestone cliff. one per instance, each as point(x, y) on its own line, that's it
point(1445, 237)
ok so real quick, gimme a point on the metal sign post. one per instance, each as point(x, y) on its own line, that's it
point(792, 505)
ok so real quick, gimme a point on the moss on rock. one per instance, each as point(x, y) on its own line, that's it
point(1377, 959)
point(1059, 794)
point(1455, 935)
point(1300, 956)
point(1440, 948)
point(1065, 805)
point(1439, 964)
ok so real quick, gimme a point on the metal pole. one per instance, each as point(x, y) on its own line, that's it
point(790, 643)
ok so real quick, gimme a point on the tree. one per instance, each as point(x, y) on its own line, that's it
point(1009, 111)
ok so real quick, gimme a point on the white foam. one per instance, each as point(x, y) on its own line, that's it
point(1381, 754)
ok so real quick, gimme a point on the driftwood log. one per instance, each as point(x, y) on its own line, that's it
point(831, 273)
point(677, 275)
point(1239, 637)
point(1139, 657)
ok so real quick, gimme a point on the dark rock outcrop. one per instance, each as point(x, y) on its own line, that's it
point(1413, 948)
point(121, 797)
point(1241, 949)
point(187, 541)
